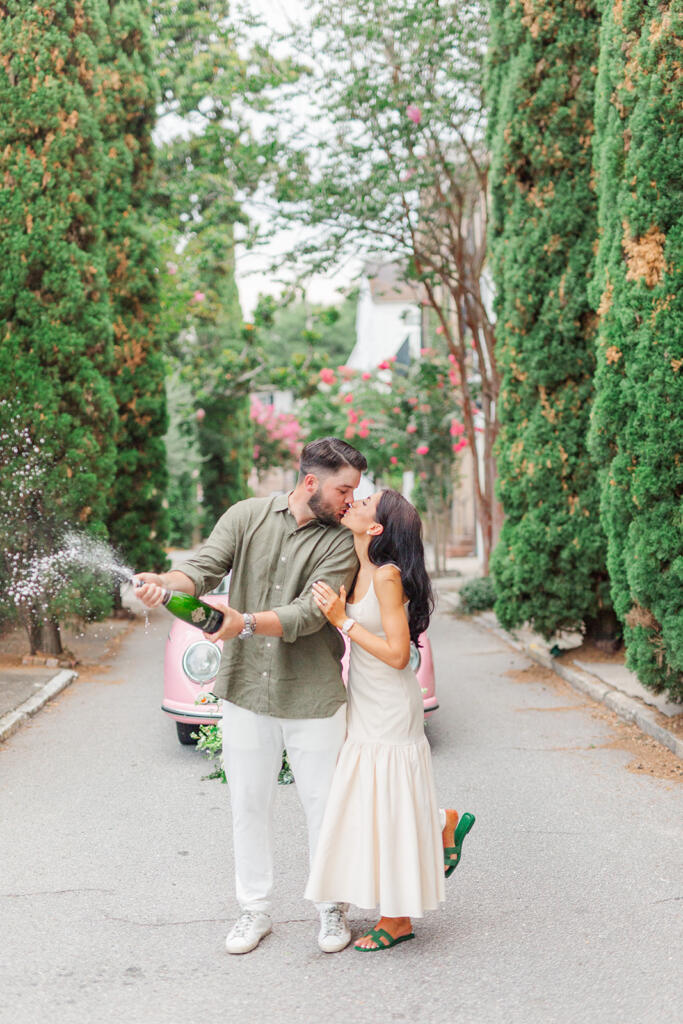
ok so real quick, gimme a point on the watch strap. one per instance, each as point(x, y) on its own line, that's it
point(249, 626)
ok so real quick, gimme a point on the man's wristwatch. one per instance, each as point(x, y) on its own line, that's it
point(249, 626)
point(346, 626)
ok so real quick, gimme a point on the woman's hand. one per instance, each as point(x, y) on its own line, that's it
point(333, 606)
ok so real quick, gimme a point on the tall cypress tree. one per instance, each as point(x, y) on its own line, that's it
point(55, 330)
point(549, 565)
point(637, 427)
point(128, 94)
point(202, 75)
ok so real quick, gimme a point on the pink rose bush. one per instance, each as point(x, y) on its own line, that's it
point(277, 438)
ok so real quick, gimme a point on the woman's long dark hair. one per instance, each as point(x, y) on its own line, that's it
point(401, 543)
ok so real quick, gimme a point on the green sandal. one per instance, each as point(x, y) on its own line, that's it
point(379, 933)
point(451, 854)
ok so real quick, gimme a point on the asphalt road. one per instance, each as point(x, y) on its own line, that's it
point(116, 880)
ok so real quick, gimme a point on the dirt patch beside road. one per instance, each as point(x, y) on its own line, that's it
point(649, 756)
point(86, 645)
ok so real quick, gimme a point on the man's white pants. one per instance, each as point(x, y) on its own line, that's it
point(252, 755)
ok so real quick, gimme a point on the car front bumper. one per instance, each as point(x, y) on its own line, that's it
point(194, 714)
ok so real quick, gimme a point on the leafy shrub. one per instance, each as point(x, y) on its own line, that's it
point(477, 595)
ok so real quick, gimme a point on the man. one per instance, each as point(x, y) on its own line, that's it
point(280, 674)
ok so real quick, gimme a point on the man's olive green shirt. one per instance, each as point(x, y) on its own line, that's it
point(274, 563)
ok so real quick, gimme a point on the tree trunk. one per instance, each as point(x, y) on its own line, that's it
point(50, 639)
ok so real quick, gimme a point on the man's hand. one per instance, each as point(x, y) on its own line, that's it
point(149, 588)
point(231, 626)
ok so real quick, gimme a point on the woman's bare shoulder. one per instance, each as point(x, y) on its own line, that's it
point(388, 572)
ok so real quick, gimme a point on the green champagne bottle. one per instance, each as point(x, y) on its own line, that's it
point(191, 609)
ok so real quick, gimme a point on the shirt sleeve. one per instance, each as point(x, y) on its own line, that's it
point(214, 559)
point(337, 566)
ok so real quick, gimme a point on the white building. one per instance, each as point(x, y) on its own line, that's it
point(389, 318)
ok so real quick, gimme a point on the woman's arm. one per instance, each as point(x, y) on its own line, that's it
point(395, 649)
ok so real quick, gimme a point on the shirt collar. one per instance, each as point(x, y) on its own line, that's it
point(281, 503)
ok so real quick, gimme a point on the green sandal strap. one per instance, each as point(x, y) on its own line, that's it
point(377, 934)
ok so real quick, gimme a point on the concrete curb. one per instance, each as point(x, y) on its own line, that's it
point(629, 709)
point(12, 721)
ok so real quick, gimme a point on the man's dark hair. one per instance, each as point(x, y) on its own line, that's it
point(327, 455)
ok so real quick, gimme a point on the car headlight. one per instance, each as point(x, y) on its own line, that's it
point(201, 661)
point(415, 658)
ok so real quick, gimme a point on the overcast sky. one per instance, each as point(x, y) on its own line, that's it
point(252, 267)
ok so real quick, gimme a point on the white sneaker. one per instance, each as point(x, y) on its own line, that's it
point(248, 931)
point(334, 932)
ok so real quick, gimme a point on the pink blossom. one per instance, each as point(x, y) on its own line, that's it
point(460, 445)
point(363, 432)
point(422, 449)
point(440, 329)
point(425, 408)
point(199, 415)
point(384, 365)
point(257, 452)
point(345, 371)
point(349, 432)
point(198, 297)
point(457, 428)
point(412, 401)
point(453, 377)
point(172, 268)
point(393, 460)
point(348, 399)
point(411, 429)
point(366, 376)
point(425, 352)
point(396, 409)
point(327, 376)
point(382, 440)
point(353, 416)
point(451, 357)
point(414, 113)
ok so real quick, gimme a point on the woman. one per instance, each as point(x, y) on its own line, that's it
point(384, 841)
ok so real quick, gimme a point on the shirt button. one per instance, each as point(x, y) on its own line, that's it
point(284, 558)
point(277, 586)
point(264, 673)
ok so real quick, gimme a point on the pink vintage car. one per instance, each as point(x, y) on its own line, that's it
point(191, 663)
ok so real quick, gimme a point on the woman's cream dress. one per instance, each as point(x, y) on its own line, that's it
point(380, 844)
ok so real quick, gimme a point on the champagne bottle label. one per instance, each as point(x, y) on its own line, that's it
point(193, 611)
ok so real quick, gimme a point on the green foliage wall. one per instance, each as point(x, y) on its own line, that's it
point(202, 77)
point(56, 338)
point(637, 424)
point(128, 94)
point(55, 329)
point(549, 563)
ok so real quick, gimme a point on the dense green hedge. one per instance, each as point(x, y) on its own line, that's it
point(637, 428)
point(55, 328)
point(128, 95)
point(549, 563)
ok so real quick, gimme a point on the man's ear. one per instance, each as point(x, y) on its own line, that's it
point(311, 483)
point(375, 530)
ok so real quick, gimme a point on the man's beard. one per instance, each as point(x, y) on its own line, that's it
point(323, 512)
